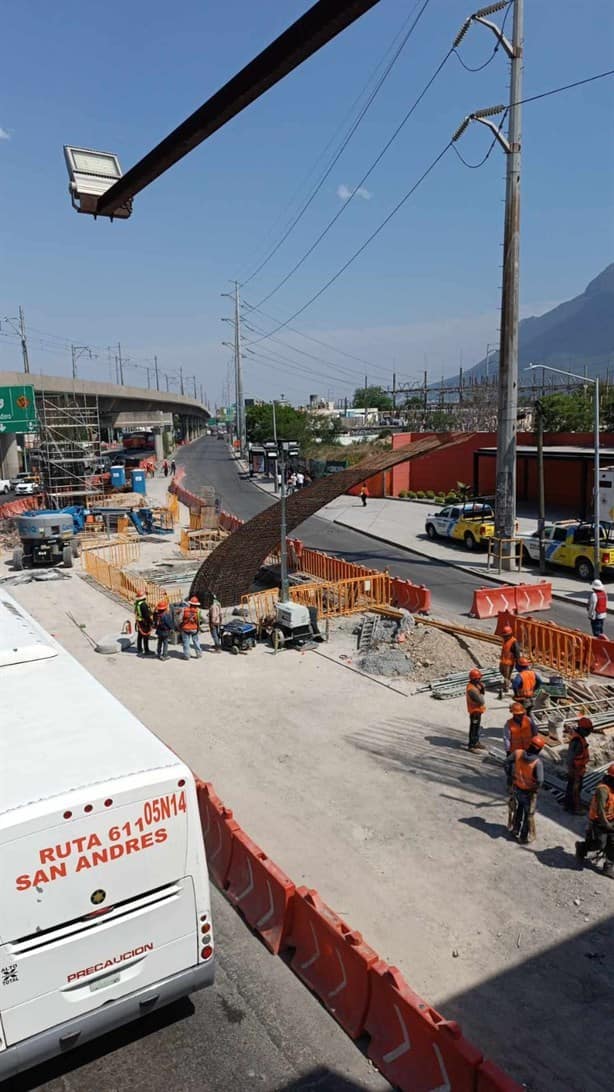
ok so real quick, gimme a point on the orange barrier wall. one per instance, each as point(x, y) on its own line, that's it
point(16, 507)
point(517, 598)
point(412, 1044)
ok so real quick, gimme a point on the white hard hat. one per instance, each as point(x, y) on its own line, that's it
point(596, 584)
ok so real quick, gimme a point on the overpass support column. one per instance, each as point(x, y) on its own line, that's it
point(158, 444)
point(9, 455)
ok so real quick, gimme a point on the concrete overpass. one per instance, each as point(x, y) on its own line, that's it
point(118, 407)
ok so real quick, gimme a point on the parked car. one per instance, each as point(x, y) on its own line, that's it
point(570, 544)
point(5, 485)
point(472, 523)
point(27, 487)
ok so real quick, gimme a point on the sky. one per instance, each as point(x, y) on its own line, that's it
point(423, 295)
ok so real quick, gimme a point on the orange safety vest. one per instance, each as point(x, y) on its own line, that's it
point(580, 762)
point(528, 684)
point(189, 620)
point(472, 705)
point(593, 812)
point(523, 772)
point(507, 656)
point(520, 734)
point(601, 601)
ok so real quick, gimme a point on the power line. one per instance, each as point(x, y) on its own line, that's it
point(366, 243)
point(364, 178)
point(315, 340)
point(348, 115)
point(564, 87)
point(343, 146)
point(312, 356)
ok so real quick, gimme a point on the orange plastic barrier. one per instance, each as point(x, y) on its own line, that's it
point(331, 959)
point(261, 891)
point(518, 598)
point(229, 522)
point(218, 830)
point(411, 1044)
point(602, 656)
point(16, 507)
point(413, 597)
point(492, 1079)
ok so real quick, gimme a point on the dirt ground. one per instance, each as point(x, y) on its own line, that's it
point(365, 791)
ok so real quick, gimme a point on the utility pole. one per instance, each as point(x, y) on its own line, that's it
point(157, 375)
point(507, 395)
point(541, 514)
point(121, 364)
point(181, 378)
point(75, 352)
point(24, 342)
point(366, 384)
point(238, 374)
point(426, 392)
point(166, 377)
point(394, 393)
point(505, 488)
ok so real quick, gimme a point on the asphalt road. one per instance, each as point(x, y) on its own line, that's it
point(208, 462)
point(257, 1028)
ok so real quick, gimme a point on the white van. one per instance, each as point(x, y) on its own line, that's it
point(105, 906)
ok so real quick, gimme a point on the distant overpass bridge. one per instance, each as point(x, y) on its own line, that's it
point(116, 406)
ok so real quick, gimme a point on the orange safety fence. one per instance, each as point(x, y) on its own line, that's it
point(172, 505)
point(331, 598)
point(202, 541)
point(103, 566)
point(567, 651)
point(329, 568)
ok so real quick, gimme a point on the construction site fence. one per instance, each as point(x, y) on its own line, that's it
point(172, 505)
point(104, 565)
point(330, 598)
point(412, 1044)
point(597, 655)
point(567, 651)
point(201, 541)
point(17, 507)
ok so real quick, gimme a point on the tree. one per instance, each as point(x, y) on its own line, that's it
point(568, 412)
point(371, 398)
point(291, 424)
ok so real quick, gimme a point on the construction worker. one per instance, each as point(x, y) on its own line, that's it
point(577, 761)
point(517, 735)
point(164, 625)
point(597, 607)
point(364, 493)
point(600, 830)
point(143, 625)
point(215, 621)
point(476, 707)
point(527, 773)
point(189, 625)
point(525, 683)
point(510, 654)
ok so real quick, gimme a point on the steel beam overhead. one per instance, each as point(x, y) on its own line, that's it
point(306, 36)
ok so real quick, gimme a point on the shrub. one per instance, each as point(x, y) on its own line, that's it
point(440, 498)
point(411, 493)
point(403, 493)
point(451, 498)
point(430, 494)
point(420, 494)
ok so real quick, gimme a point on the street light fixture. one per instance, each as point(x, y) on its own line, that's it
point(596, 520)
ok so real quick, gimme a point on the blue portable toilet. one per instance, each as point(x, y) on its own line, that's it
point(118, 477)
point(139, 481)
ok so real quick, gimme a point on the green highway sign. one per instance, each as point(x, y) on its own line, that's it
point(17, 410)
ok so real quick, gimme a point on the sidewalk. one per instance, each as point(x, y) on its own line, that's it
point(400, 523)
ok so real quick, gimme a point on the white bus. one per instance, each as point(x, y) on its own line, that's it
point(105, 908)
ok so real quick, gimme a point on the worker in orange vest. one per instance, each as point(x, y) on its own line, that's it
point(476, 707)
point(527, 772)
point(517, 735)
point(597, 607)
point(508, 660)
point(600, 831)
point(577, 761)
point(144, 624)
point(526, 683)
point(189, 626)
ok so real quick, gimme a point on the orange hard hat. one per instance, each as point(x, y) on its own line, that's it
point(585, 723)
point(517, 707)
point(162, 605)
point(507, 631)
point(538, 742)
point(475, 673)
point(522, 661)
point(195, 600)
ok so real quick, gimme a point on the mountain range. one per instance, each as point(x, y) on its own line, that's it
point(576, 334)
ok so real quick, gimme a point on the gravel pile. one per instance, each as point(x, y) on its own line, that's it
point(389, 662)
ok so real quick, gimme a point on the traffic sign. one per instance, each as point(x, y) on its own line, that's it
point(17, 409)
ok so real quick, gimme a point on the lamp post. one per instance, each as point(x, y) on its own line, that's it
point(596, 520)
point(283, 545)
